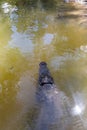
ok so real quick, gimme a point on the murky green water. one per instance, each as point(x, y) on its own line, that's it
point(27, 37)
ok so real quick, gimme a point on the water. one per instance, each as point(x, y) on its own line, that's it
point(27, 37)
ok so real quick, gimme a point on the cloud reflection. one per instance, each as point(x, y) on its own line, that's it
point(60, 60)
point(48, 38)
point(21, 41)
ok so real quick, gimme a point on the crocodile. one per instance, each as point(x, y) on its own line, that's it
point(55, 107)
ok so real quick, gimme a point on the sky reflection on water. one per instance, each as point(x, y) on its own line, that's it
point(21, 41)
point(45, 38)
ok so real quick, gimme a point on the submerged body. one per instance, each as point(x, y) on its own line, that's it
point(51, 115)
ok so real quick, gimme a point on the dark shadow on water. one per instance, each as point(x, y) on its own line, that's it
point(68, 16)
point(44, 4)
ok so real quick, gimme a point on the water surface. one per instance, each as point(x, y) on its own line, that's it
point(28, 36)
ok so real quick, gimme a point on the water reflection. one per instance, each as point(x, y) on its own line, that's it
point(28, 36)
point(21, 41)
point(48, 38)
point(7, 8)
point(59, 61)
point(83, 48)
